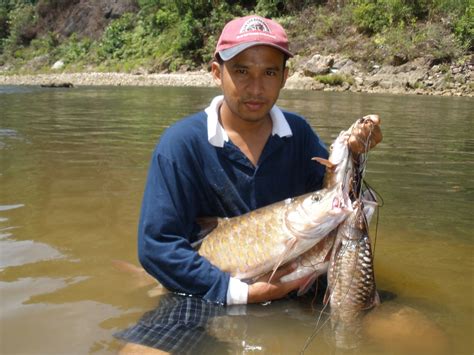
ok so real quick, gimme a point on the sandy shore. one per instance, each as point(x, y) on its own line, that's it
point(198, 79)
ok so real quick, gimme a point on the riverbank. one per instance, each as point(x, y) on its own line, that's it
point(200, 79)
point(319, 73)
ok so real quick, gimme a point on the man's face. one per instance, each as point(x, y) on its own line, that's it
point(251, 81)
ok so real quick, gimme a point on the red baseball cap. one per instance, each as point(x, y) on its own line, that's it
point(245, 32)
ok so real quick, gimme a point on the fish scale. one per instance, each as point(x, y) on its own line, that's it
point(351, 279)
point(358, 285)
point(312, 263)
point(252, 244)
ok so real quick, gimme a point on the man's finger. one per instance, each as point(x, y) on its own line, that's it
point(295, 284)
point(262, 291)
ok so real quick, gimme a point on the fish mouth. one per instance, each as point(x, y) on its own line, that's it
point(336, 205)
point(341, 203)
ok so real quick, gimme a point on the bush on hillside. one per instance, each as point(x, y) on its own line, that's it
point(17, 21)
point(166, 34)
point(375, 16)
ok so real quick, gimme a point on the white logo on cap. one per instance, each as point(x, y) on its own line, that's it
point(254, 24)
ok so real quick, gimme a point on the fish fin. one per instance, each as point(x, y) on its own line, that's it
point(157, 291)
point(337, 244)
point(290, 245)
point(374, 302)
point(324, 162)
point(327, 296)
point(197, 244)
point(376, 299)
point(127, 267)
point(306, 286)
point(141, 277)
point(206, 225)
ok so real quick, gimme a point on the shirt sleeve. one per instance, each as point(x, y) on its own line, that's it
point(237, 292)
point(165, 231)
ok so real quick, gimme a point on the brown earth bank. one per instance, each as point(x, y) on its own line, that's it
point(318, 72)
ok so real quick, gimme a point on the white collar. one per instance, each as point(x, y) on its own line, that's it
point(216, 135)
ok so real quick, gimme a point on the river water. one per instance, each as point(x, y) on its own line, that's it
point(72, 169)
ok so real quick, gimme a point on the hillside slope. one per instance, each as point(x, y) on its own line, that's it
point(362, 45)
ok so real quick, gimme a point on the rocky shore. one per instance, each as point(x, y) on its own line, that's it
point(422, 76)
point(319, 72)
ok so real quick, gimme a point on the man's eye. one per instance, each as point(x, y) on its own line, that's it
point(241, 71)
point(271, 73)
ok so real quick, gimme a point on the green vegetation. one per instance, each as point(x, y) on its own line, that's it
point(169, 35)
point(334, 79)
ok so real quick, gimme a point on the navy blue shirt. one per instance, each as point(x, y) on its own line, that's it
point(190, 178)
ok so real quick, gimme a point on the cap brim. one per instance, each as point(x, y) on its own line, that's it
point(229, 53)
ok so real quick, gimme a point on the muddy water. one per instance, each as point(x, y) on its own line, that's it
point(72, 170)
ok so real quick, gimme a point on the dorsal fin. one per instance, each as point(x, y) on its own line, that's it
point(206, 225)
point(324, 162)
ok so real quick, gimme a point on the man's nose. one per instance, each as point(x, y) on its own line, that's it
point(256, 85)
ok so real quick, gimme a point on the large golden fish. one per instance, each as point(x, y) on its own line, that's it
point(257, 242)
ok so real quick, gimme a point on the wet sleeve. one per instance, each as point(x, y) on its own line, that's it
point(169, 208)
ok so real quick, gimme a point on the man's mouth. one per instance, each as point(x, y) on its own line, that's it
point(254, 105)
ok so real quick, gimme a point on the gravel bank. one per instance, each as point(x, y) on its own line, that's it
point(383, 80)
point(202, 79)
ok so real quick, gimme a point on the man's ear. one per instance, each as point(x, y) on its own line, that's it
point(285, 76)
point(216, 72)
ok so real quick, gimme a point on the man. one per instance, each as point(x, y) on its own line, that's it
point(240, 154)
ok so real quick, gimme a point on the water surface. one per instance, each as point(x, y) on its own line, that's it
point(72, 169)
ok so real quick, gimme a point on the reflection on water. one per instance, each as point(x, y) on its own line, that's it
point(72, 171)
point(24, 251)
point(49, 328)
point(186, 325)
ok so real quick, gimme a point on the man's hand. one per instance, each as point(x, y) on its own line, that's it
point(366, 134)
point(263, 291)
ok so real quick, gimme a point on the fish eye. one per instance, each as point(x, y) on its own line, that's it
point(316, 197)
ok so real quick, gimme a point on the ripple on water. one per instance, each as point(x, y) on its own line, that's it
point(18, 89)
point(21, 252)
point(81, 319)
point(10, 207)
point(8, 135)
point(82, 178)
